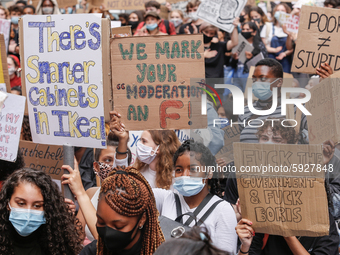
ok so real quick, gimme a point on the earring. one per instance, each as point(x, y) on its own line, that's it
point(141, 227)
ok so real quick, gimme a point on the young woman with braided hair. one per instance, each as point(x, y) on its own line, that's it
point(127, 217)
point(193, 178)
point(34, 219)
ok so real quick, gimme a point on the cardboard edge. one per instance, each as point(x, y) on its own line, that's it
point(106, 67)
point(22, 58)
point(4, 63)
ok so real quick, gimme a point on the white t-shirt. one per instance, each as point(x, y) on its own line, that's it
point(150, 176)
point(94, 199)
point(220, 223)
point(278, 31)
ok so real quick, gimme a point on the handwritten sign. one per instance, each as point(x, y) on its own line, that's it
point(242, 47)
point(121, 32)
point(221, 13)
point(120, 4)
point(151, 81)
point(281, 188)
point(4, 77)
point(318, 40)
point(11, 117)
point(5, 27)
point(63, 77)
point(231, 136)
point(291, 21)
point(46, 158)
point(324, 123)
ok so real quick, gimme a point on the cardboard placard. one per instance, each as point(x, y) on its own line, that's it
point(221, 13)
point(5, 84)
point(47, 158)
point(122, 4)
point(5, 29)
point(231, 135)
point(254, 60)
point(64, 78)
point(318, 40)
point(324, 105)
point(152, 83)
point(242, 47)
point(66, 3)
point(121, 32)
point(282, 202)
point(11, 117)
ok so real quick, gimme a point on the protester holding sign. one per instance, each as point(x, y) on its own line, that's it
point(257, 15)
point(176, 17)
point(34, 217)
point(127, 217)
point(194, 26)
point(275, 39)
point(192, 181)
point(135, 18)
point(13, 66)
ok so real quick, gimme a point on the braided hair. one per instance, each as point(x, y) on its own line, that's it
point(136, 199)
point(205, 157)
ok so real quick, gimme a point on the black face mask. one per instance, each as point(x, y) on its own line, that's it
point(242, 19)
point(258, 21)
point(133, 24)
point(115, 240)
point(246, 35)
point(207, 39)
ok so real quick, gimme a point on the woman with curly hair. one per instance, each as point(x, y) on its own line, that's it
point(127, 217)
point(196, 185)
point(154, 156)
point(34, 219)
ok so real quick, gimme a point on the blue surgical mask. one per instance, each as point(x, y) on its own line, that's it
point(262, 89)
point(225, 122)
point(151, 27)
point(69, 10)
point(26, 221)
point(189, 186)
point(15, 20)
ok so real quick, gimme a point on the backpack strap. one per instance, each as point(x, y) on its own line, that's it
point(167, 26)
point(178, 208)
point(199, 208)
point(264, 241)
point(205, 216)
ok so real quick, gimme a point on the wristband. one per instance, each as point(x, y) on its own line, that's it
point(118, 152)
point(244, 252)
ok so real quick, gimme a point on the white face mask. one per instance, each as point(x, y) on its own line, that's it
point(193, 16)
point(47, 10)
point(145, 153)
point(176, 22)
point(11, 70)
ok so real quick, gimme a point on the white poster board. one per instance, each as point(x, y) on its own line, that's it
point(242, 47)
point(63, 75)
point(5, 26)
point(11, 117)
point(221, 13)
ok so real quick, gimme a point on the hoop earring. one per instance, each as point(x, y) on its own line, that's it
point(140, 227)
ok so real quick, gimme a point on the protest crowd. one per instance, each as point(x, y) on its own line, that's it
point(137, 182)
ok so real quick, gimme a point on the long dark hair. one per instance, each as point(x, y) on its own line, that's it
point(62, 233)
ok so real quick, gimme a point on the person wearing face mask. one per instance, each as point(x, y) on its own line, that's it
point(214, 51)
point(135, 18)
point(116, 154)
point(15, 13)
point(155, 150)
point(127, 217)
point(151, 27)
point(257, 15)
point(250, 33)
point(192, 182)
point(13, 64)
point(164, 26)
point(35, 220)
point(48, 7)
point(194, 25)
point(176, 17)
point(275, 38)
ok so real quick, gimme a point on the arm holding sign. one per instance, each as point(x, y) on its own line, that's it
point(324, 71)
point(234, 36)
point(245, 233)
point(118, 128)
point(73, 179)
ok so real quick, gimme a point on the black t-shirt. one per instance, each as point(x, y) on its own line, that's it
point(181, 29)
point(231, 193)
point(214, 65)
point(314, 245)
